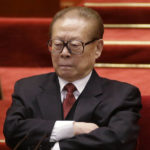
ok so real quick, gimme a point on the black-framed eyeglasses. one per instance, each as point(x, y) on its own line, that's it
point(74, 46)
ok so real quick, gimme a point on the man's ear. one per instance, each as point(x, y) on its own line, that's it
point(99, 48)
point(49, 48)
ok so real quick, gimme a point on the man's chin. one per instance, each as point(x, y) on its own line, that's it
point(68, 76)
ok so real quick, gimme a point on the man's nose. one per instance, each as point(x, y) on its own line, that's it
point(65, 52)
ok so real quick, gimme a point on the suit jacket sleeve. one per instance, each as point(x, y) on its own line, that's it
point(118, 128)
point(20, 122)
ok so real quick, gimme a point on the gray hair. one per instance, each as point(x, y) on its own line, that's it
point(86, 13)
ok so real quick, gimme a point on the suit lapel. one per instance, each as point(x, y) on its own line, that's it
point(49, 100)
point(87, 101)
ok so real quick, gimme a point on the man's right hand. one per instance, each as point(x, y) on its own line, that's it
point(83, 127)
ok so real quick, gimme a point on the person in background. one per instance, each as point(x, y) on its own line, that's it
point(73, 108)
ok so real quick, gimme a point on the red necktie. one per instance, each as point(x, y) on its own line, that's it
point(70, 99)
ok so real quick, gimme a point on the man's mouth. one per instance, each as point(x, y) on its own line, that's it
point(65, 66)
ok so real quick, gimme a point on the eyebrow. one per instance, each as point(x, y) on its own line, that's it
point(70, 39)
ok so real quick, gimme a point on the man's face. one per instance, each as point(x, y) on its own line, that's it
point(69, 66)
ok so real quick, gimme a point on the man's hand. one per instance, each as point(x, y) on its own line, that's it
point(83, 127)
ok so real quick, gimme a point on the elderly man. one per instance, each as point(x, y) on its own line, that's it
point(73, 108)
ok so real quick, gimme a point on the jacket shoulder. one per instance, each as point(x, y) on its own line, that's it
point(119, 86)
point(34, 81)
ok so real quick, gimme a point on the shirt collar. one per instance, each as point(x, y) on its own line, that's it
point(80, 84)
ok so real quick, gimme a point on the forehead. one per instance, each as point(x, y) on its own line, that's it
point(75, 27)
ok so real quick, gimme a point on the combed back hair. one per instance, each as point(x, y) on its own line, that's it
point(85, 13)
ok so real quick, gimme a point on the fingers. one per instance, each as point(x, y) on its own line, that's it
point(84, 128)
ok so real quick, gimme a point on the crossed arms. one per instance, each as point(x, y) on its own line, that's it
point(113, 127)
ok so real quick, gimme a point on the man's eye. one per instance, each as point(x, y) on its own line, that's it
point(57, 44)
point(75, 44)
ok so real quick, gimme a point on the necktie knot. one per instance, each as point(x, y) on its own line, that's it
point(70, 88)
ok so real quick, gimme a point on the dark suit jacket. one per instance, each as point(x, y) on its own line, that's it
point(114, 106)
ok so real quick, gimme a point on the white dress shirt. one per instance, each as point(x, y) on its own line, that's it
point(64, 129)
